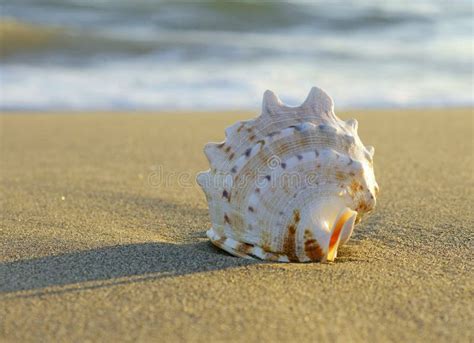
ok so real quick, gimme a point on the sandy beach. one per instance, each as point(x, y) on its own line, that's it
point(102, 237)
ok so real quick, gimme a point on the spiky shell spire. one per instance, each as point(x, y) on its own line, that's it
point(290, 184)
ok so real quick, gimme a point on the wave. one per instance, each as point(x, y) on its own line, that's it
point(244, 16)
point(31, 40)
point(32, 43)
point(20, 37)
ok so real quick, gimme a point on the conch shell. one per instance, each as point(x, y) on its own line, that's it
point(289, 185)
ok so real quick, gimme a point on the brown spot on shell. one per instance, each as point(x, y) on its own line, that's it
point(220, 145)
point(257, 190)
point(311, 247)
point(237, 222)
point(296, 216)
point(227, 149)
point(251, 209)
point(231, 156)
point(340, 175)
point(355, 186)
point(240, 127)
point(265, 240)
point(289, 243)
point(252, 137)
point(272, 257)
point(362, 206)
point(219, 242)
point(244, 248)
point(234, 169)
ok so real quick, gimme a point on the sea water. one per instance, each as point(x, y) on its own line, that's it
point(199, 55)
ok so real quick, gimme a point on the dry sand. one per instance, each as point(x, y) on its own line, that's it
point(96, 246)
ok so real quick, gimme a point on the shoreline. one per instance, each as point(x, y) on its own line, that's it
point(223, 111)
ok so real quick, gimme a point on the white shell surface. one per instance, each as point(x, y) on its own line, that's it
point(290, 184)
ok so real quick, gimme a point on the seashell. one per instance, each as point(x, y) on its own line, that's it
point(289, 185)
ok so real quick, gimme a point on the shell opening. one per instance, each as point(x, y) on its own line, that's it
point(342, 229)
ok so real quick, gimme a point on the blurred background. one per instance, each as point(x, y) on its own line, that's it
point(122, 54)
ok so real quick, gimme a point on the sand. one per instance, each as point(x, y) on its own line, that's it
point(102, 237)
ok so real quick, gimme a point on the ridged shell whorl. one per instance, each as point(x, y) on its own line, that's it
point(290, 184)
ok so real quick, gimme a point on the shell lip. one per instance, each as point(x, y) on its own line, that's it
point(341, 231)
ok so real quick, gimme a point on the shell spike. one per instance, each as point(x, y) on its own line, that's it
point(271, 102)
point(318, 101)
point(354, 124)
point(211, 150)
point(203, 180)
point(370, 149)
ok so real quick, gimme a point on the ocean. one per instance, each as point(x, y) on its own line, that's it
point(204, 55)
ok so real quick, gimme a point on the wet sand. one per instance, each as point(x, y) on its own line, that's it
point(102, 237)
